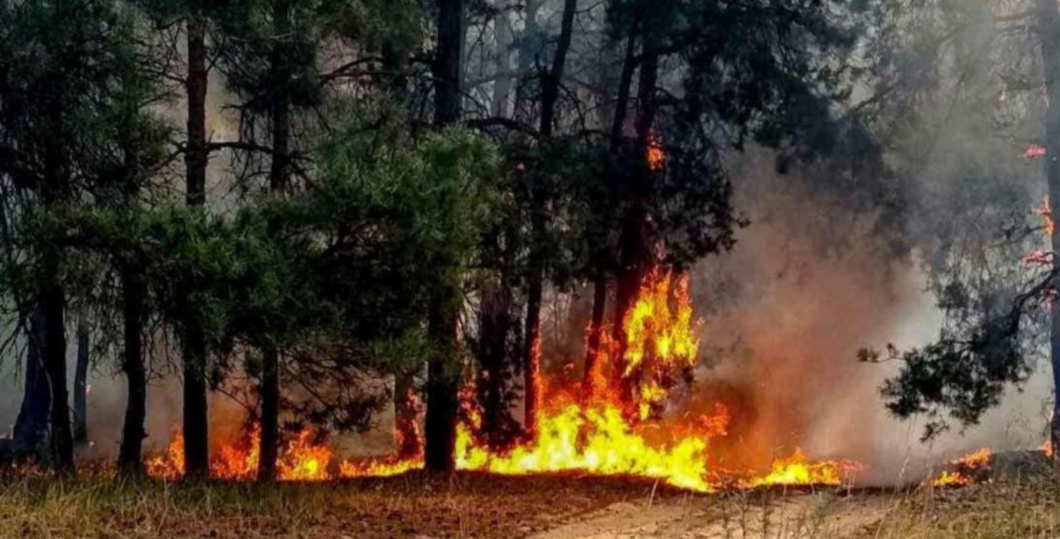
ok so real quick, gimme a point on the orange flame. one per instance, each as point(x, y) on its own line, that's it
point(964, 470)
point(1035, 151)
point(656, 157)
point(301, 460)
point(797, 470)
point(1046, 213)
point(595, 434)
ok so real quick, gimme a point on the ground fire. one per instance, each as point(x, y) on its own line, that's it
point(965, 470)
point(591, 432)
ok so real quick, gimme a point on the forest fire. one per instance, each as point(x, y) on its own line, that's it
point(596, 433)
point(301, 459)
point(965, 470)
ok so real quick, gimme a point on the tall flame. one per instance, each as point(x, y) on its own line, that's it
point(595, 433)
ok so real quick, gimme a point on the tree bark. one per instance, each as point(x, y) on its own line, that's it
point(634, 241)
point(1048, 30)
point(130, 454)
point(596, 325)
point(443, 381)
point(81, 384)
point(196, 416)
point(442, 374)
point(31, 427)
point(279, 182)
point(502, 42)
point(538, 227)
point(495, 323)
point(53, 304)
point(591, 376)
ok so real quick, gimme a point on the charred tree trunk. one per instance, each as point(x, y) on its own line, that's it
point(31, 427)
point(130, 454)
point(1048, 29)
point(634, 241)
point(81, 384)
point(495, 325)
point(443, 381)
point(443, 375)
point(618, 121)
point(279, 180)
point(535, 288)
point(196, 418)
point(53, 305)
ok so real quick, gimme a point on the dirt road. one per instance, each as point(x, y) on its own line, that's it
point(737, 517)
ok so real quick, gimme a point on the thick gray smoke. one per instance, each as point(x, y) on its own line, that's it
point(810, 282)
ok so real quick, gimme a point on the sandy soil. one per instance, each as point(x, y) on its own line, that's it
point(788, 516)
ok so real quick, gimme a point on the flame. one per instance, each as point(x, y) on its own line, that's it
point(1047, 449)
point(1035, 151)
point(1046, 213)
point(964, 470)
point(660, 339)
point(301, 459)
point(170, 465)
point(599, 433)
point(596, 440)
point(798, 470)
point(655, 155)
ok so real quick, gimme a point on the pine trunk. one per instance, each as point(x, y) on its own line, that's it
point(279, 180)
point(1049, 34)
point(53, 304)
point(31, 426)
point(196, 417)
point(443, 382)
point(130, 454)
point(634, 241)
point(443, 374)
point(538, 226)
point(81, 384)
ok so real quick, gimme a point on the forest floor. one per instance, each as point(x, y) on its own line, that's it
point(490, 507)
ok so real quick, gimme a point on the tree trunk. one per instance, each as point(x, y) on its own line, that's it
point(81, 384)
point(448, 62)
point(538, 224)
point(495, 323)
point(31, 427)
point(502, 42)
point(442, 386)
point(130, 454)
point(279, 182)
point(196, 417)
point(1048, 29)
point(591, 378)
point(53, 304)
point(634, 241)
point(443, 375)
point(526, 59)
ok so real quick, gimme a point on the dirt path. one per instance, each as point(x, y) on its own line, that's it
point(774, 517)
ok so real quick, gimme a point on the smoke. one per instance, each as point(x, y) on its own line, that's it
point(811, 281)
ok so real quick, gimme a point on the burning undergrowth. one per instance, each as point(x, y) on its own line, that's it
point(615, 425)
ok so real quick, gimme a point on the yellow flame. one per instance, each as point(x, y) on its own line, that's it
point(301, 460)
point(964, 469)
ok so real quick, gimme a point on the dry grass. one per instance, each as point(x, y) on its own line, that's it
point(493, 507)
point(412, 506)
